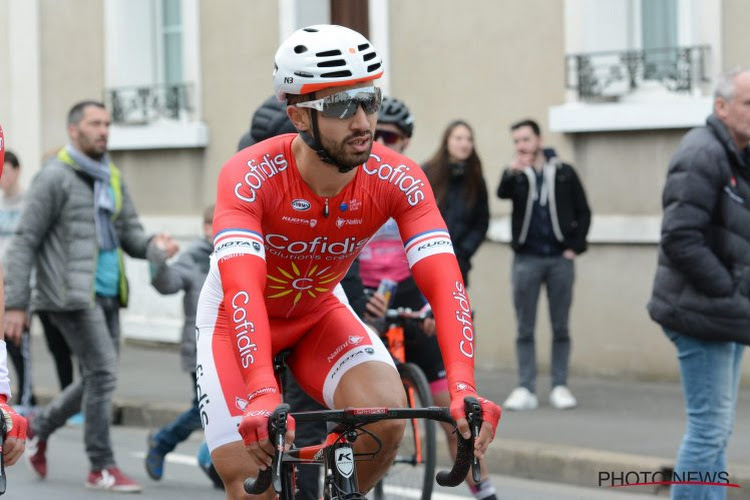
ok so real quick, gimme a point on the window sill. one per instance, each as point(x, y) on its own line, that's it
point(576, 117)
point(165, 134)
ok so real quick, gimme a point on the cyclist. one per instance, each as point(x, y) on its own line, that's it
point(292, 213)
point(15, 425)
point(384, 257)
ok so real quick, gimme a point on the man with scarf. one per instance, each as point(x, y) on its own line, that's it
point(77, 222)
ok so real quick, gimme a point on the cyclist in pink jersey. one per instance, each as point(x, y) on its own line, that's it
point(384, 257)
point(292, 213)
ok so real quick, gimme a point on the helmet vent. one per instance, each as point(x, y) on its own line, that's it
point(310, 30)
point(303, 74)
point(368, 56)
point(329, 53)
point(363, 46)
point(373, 67)
point(337, 74)
point(332, 64)
point(299, 49)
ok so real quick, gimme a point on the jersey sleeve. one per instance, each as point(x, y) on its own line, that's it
point(433, 264)
point(240, 255)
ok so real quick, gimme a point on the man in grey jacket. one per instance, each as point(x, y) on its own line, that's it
point(77, 221)
point(701, 293)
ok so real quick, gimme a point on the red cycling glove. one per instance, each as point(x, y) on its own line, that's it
point(490, 411)
point(254, 425)
point(15, 424)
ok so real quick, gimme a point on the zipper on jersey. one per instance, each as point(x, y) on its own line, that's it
point(325, 209)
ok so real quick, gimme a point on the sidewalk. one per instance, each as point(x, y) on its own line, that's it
point(619, 426)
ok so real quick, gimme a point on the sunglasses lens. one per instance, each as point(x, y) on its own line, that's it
point(387, 136)
point(344, 104)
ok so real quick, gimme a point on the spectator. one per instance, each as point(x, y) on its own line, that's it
point(186, 274)
point(384, 257)
point(77, 220)
point(19, 349)
point(455, 174)
point(550, 222)
point(14, 442)
point(702, 283)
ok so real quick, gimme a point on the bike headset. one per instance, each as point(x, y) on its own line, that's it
point(396, 113)
point(320, 57)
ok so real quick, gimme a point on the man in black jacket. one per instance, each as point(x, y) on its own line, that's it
point(550, 221)
point(702, 283)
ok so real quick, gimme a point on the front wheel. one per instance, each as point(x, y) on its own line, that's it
point(412, 473)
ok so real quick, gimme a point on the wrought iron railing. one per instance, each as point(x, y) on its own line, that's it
point(609, 75)
point(141, 105)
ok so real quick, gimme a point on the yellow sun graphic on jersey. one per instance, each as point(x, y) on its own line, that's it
point(294, 281)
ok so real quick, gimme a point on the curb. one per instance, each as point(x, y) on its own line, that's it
point(557, 463)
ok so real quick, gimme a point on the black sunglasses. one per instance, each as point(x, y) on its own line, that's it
point(388, 136)
point(344, 104)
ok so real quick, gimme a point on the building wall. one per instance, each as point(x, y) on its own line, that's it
point(72, 62)
point(735, 35)
point(490, 69)
point(164, 181)
point(610, 330)
point(624, 172)
point(238, 44)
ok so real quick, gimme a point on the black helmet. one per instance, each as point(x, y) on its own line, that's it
point(394, 111)
point(269, 120)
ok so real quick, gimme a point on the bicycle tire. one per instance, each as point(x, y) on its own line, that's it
point(410, 473)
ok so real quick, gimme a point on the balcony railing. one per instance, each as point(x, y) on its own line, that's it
point(610, 75)
point(143, 105)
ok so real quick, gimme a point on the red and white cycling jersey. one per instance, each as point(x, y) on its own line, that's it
point(280, 250)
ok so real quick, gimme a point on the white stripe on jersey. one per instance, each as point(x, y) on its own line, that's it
point(428, 243)
point(233, 242)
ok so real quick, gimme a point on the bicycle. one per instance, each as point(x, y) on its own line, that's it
point(414, 466)
point(338, 457)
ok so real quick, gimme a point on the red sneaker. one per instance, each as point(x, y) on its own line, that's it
point(112, 479)
point(36, 453)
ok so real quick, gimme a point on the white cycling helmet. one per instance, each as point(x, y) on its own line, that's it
point(322, 56)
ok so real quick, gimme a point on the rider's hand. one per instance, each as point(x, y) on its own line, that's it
point(428, 327)
point(490, 417)
point(16, 321)
point(376, 307)
point(254, 432)
point(15, 439)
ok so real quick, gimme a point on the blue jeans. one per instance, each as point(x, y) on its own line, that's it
point(710, 378)
point(178, 430)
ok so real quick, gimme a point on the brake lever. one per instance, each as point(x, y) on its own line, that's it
point(278, 426)
point(474, 417)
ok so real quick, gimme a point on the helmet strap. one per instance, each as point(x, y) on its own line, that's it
point(314, 142)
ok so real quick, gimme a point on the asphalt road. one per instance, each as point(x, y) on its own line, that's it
point(183, 479)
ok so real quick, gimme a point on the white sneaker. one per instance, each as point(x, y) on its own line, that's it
point(521, 399)
point(562, 399)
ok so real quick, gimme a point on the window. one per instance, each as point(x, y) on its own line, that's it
point(152, 74)
point(638, 64)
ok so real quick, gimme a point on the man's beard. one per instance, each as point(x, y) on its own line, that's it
point(348, 160)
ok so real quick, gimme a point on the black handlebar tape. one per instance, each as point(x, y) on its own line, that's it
point(461, 467)
point(258, 486)
point(465, 458)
